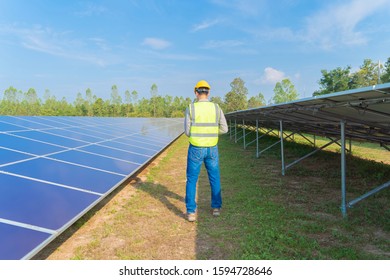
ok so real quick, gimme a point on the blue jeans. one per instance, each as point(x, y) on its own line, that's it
point(196, 156)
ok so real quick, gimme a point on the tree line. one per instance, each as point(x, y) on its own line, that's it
point(16, 102)
point(340, 79)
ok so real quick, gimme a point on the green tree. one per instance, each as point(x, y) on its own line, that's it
point(385, 77)
point(116, 100)
point(89, 100)
point(127, 97)
point(49, 105)
point(11, 101)
point(167, 106)
point(178, 107)
point(63, 108)
point(256, 101)
point(144, 109)
point(284, 92)
point(338, 79)
point(134, 95)
point(367, 75)
point(236, 98)
point(12, 95)
point(154, 93)
point(31, 103)
point(31, 96)
point(98, 108)
point(80, 107)
point(129, 107)
point(218, 100)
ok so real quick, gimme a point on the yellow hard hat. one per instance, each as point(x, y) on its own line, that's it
point(202, 83)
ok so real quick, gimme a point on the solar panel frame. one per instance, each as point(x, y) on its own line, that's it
point(367, 109)
point(359, 114)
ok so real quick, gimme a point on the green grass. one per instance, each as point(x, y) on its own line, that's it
point(265, 215)
point(297, 216)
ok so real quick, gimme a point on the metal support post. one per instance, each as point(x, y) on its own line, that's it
point(257, 137)
point(350, 146)
point(343, 169)
point(282, 147)
point(243, 131)
point(230, 122)
point(235, 130)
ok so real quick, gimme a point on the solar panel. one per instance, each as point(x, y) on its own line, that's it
point(54, 169)
point(365, 111)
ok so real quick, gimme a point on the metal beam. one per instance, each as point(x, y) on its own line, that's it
point(385, 146)
point(250, 141)
point(269, 147)
point(311, 153)
point(343, 170)
point(257, 137)
point(374, 191)
point(235, 130)
point(230, 129)
point(307, 139)
point(282, 147)
point(243, 131)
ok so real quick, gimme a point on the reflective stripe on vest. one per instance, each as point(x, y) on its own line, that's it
point(204, 124)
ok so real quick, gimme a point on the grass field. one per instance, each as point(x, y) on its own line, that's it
point(265, 215)
point(297, 216)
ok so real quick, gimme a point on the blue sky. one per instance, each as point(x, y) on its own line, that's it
point(69, 46)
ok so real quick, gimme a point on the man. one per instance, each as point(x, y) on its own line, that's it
point(204, 120)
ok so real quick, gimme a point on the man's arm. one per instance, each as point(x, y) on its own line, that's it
point(223, 127)
point(187, 122)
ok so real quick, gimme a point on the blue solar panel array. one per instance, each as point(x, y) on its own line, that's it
point(54, 169)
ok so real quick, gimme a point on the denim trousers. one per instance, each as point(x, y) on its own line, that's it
point(195, 158)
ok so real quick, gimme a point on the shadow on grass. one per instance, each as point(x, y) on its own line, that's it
point(163, 194)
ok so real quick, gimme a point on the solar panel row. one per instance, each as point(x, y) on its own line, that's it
point(54, 169)
point(359, 114)
point(365, 111)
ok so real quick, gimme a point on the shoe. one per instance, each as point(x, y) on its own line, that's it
point(191, 217)
point(216, 212)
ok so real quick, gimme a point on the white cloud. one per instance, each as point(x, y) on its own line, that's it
point(156, 43)
point(278, 33)
point(338, 24)
point(174, 56)
point(245, 7)
point(271, 76)
point(91, 10)
point(100, 43)
point(222, 44)
point(54, 43)
point(204, 25)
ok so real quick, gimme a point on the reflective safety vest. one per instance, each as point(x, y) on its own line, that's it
point(204, 124)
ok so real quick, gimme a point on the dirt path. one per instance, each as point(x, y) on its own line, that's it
point(142, 220)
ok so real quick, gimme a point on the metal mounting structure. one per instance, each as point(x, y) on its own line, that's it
point(360, 114)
